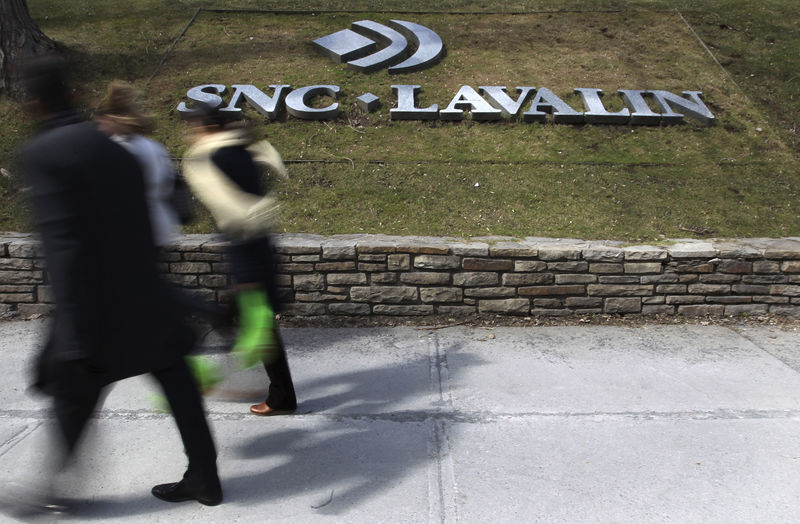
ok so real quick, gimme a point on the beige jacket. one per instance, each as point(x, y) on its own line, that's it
point(236, 212)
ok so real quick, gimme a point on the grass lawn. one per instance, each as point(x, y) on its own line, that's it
point(367, 173)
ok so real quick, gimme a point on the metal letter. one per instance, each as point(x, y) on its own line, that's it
point(344, 45)
point(297, 103)
point(498, 97)
point(406, 100)
point(394, 52)
point(469, 99)
point(430, 48)
point(694, 107)
point(548, 101)
point(596, 112)
point(641, 112)
point(267, 106)
point(201, 94)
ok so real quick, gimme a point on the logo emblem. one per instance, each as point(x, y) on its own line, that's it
point(359, 47)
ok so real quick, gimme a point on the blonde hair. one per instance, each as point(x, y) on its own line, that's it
point(122, 105)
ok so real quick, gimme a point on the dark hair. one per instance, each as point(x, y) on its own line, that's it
point(206, 114)
point(45, 80)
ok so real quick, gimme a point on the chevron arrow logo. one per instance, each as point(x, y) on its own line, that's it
point(405, 47)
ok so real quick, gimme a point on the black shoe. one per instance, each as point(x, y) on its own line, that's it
point(207, 493)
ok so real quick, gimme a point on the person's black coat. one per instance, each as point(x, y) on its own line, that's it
point(114, 315)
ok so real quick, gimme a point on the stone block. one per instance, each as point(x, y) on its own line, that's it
point(576, 279)
point(664, 289)
point(766, 266)
point(371, 267)
point(513, 306)
point(314, 282)
point(658, 310)
point(349, 309)
point(213, 281)
point(401, 262)
point(791, 266)
point(573, 266)
point(529, 266)
point(296, 268)
point(619, 290)
point(487, 264)
point(719, 278)
point(437, 262)
point(472, 249)
point(199, 257)
point(440, 294)
point(764, 279)
point(21, 277)
point(739, 267)
point(338, 252)
point(34, 310)
point(512, 250)
point(527, 279)
point(645, 253)
point(16, 263)
point(490, 292)
point(346, 279)
point(305, 258)
point(305, 309)
point(325, 267)
point(583, 302)
point(548, 303)
point(709, 289)
point(788, 311)
point(642, 268)
point(425, 278)
point(552, 253)
point(663, 278)
point(692, 250)
point(15, 298)
point(376, 247)
point(182, 280)
point(606, 268)
point(394, 310)
point(384, 294)
point(475, 279)
point(685, 299)
point(423, 249)
point(785, 290)
point(372, 257)
point(542, 291)
point(603, 254)
point(383, 278)
point(622, 305)
point(616, 279)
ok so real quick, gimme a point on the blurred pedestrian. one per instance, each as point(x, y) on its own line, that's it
point(122, 116)
point(114, 317)
point(222, 168)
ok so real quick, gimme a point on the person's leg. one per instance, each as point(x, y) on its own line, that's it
point(200, 482)
point(281, 397)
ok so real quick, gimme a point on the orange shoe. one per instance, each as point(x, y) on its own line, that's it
point(266, 411)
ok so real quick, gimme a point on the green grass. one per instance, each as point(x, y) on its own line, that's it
point(366, 173)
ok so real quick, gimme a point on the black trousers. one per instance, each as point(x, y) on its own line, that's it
point(74, 404)
point(280, 395)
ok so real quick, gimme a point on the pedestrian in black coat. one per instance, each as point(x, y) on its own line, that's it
point(114, 316)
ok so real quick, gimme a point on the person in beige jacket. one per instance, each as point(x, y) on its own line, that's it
point(221, 167)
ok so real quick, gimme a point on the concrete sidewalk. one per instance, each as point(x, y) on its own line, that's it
point(680, 423)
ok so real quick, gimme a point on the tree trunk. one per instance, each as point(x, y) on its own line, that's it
point(20, 38)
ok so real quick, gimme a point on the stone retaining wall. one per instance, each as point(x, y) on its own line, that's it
point(359, 275)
